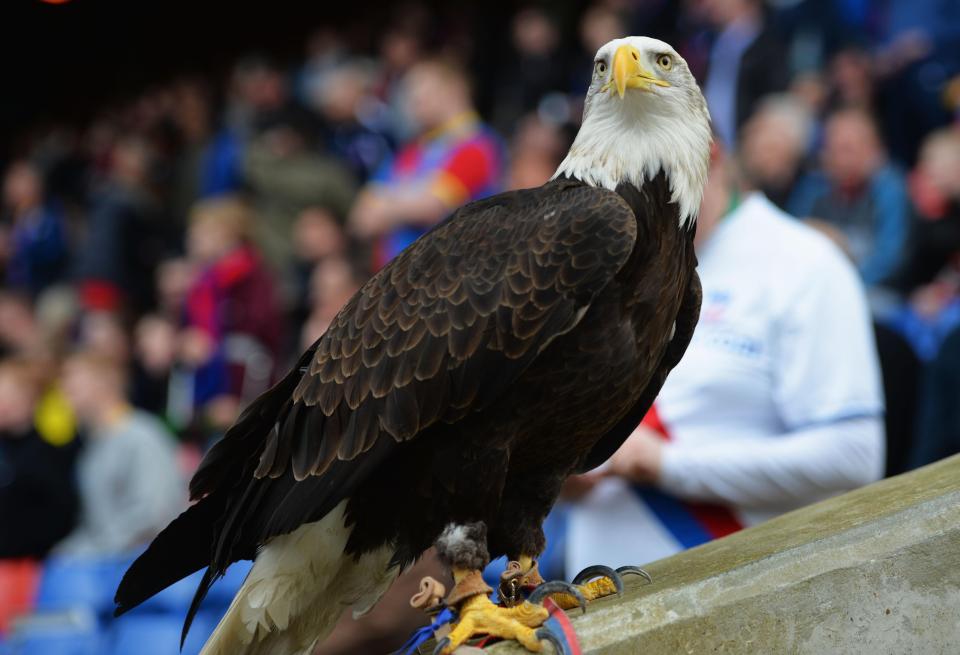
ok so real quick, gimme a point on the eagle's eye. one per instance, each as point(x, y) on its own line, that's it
point(601, 67)
point(665, 61)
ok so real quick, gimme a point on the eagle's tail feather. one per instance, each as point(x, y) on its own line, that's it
point(297, 589)
point(181, 549)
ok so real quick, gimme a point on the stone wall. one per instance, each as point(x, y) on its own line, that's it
point(874, 571)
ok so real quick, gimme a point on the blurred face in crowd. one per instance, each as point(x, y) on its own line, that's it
point(22, 187)
point(90, 386)
point(131, 160)
point(851, 75)
point(156, 344)
point(317, 235)
point(851, 149)
point(332, 284)
point(724, 12)
point(935, 182)
point(434, 95)
point(535, 154)
point(528, 170)
point(174, 277)
point(104, 334)
point(599, 26)
point(261, 87)
point(208, 241)
point(939, 162)
point(18, 397)
point(772, 148)
point(191, 111)
point(342, 93)
point(533, 33)
point(810, 89)
point(399, 50)
point(18, 326)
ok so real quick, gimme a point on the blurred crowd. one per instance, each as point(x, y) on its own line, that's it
point(163, 262)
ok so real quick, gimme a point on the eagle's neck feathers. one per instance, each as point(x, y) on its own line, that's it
point(604, 154)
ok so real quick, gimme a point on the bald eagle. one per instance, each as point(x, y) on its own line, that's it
point(519, 341)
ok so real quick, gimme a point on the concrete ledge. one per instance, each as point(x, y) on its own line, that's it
point(873, 571)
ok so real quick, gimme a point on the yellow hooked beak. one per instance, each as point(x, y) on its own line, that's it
point(628, 73)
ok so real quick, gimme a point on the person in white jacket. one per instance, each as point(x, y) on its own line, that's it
point(776, 404)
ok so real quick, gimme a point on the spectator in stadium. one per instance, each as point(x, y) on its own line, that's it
point(851, 79)
point(536, 150)
point(129, 481)
point(257, 90)
point(233, 323)
point(776, 404)
point(533, 67)
point(773, 146)
point(38, 500)
point(332, 283)
point(287, 174)
point(318, 237)
point(454, 159)
point(748, 61)
point(401, 47)
point(930, 276)
point(104, 333)
point(860, 193)
point(125, 235)
point(174, 276)
point(20, 332)
point(33, 227)
point(355, 123)
point(935, 192)
point(155, 351)
point(206, 163)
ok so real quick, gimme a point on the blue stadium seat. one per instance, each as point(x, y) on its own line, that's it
point(223, 590)
point(59, 634)
point(157, 634)
point(80, 582)
point(175, 599)
point(57, 643)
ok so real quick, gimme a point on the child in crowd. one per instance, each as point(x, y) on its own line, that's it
point(232, 319)
point(129, 481)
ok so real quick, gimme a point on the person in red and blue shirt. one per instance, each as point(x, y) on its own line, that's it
point(233, 297)
point(454, 159)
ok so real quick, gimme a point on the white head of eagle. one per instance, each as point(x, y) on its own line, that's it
point(643, 113)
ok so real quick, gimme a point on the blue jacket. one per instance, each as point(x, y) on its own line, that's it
point(876, 223)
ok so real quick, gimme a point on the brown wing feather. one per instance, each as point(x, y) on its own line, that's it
point(445, 328)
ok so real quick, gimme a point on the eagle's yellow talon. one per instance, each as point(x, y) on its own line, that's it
point(479, 616)
point(599, 588)
point(608, 583)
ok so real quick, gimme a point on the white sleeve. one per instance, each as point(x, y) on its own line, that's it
point(794, 468)
point(828, 394)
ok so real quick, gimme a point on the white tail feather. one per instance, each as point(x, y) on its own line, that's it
point(297, 589)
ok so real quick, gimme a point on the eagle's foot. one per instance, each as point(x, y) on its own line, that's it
point(478, 615)
point(516, 579)
point(598, 582)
